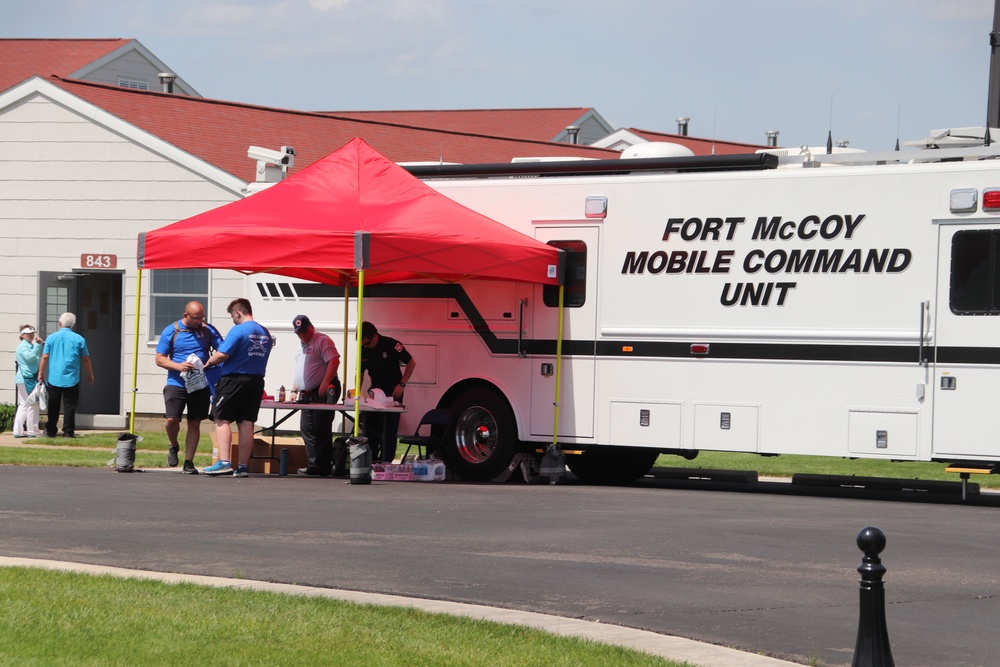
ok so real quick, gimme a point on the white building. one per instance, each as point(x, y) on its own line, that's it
point(86, 165)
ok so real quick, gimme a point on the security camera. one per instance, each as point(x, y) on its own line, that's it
point(283, 157)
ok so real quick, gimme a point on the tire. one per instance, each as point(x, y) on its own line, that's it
point(612, 465)
point(483, 439)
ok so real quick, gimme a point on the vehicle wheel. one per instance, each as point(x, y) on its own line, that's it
point(612, 465)
point(483, 440)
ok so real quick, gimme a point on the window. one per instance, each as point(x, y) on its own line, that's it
point(575, 279)
point(975, 273)
point(169, 292)
point(56, 303)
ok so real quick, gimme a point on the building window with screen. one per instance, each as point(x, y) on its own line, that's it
point(169, 292)
point(575, 278)
point(975, 273)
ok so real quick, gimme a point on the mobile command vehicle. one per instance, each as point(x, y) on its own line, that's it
point(837, 304)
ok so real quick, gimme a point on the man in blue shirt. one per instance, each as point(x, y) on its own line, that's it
point(187, 384)
point(64, 355)
point(237, 396)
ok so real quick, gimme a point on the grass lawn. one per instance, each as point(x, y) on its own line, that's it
point(788, 464)
point(58, 618)
point(153, 447)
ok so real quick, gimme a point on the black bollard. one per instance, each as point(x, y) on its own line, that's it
point(872, 649)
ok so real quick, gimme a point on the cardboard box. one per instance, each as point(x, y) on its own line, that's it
point(260, 461)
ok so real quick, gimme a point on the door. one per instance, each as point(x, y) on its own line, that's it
point(576, 404)
point(96, 300)
point(966, 380)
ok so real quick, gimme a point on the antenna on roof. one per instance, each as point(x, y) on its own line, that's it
point(829, 133)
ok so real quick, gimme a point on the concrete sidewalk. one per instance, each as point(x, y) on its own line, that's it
point(674, 648)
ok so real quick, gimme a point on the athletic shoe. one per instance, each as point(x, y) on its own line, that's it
point(20, 436)
point(172, 456)
point(219, 468)
point(242, 471)
point(310, 471)
point(189, 468)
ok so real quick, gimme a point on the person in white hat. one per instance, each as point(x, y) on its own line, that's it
point(27, 355)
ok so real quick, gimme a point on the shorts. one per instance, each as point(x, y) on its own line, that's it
point(197, 402)
point(237, 398)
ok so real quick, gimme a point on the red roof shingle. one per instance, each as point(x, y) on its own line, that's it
point(219, 132)
point(21, 59)
point(533, 124)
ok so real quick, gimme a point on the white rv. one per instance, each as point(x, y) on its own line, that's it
point(837, 305)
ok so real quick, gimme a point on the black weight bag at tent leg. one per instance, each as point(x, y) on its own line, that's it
point(125, 452)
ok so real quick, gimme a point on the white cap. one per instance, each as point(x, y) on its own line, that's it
point(28, 330)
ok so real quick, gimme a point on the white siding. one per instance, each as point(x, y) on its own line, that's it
point(131, 65)
point(68, 186)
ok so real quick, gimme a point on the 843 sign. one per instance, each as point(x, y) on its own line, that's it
point(99, 261)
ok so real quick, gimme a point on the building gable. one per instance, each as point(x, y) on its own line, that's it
point(117, 62)
point(37, 87)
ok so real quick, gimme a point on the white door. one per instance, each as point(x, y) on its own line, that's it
point(966, 376)
point(576, 403)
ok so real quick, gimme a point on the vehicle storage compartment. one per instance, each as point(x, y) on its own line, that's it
point(888, 433)
point(727, 427)
point(646, 423)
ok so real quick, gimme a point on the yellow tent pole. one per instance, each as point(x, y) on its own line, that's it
point(135, 352)
point(559, 339)
point(357, 360)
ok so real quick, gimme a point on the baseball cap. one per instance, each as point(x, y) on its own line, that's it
point(300, 322)
point(28, 330)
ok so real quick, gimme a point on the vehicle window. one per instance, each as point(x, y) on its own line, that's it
point(975, 273)
point(576, 276)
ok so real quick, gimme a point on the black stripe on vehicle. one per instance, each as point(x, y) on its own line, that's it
point(894, 354)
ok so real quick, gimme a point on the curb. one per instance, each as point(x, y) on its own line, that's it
point(665, 646)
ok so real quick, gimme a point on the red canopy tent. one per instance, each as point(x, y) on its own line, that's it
point(352, 210)
point(350, 218)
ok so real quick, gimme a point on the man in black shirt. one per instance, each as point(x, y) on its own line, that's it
point(389, 366)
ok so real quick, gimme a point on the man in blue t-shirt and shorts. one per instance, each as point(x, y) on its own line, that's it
point(237, 396)
point(190, 335)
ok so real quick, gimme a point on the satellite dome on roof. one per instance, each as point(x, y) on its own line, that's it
point(656, 149)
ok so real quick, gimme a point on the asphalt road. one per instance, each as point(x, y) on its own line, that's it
point(772, 571)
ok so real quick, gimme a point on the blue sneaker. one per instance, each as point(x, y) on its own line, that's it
point(220, 467)
point(241, 471)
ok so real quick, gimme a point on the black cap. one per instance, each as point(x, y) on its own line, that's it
point(301, 322)
point(368, 330)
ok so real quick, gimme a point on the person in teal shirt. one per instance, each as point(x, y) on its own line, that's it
point(28, 355)
point(64, 356)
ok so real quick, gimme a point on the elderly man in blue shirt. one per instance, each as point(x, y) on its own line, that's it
point(64, 356)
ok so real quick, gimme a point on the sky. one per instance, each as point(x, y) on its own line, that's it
point(867, 71)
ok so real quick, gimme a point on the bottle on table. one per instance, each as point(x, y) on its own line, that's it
point(281, 394)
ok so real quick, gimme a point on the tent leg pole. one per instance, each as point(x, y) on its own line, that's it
point(135, 352)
